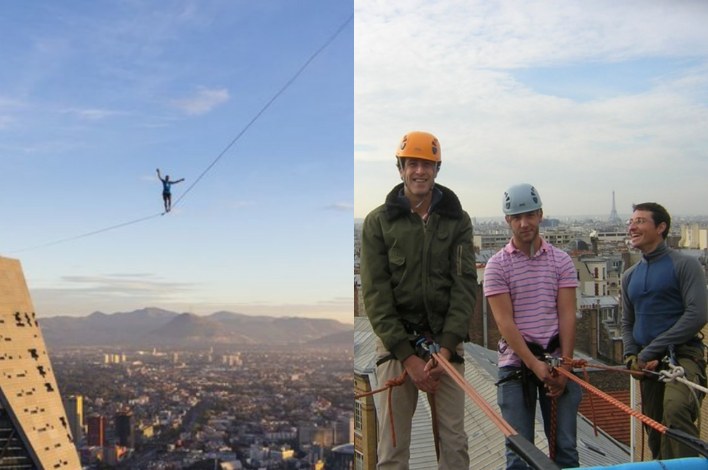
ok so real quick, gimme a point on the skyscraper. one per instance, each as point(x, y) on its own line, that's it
point(34, 430)
point(74, 406)
point(125, 431)
point(96, 430)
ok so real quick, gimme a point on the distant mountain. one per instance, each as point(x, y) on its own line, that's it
point(342, 339)
point(152, 326)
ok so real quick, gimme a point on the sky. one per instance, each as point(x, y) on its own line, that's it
point(95, 96)
point(579, 99)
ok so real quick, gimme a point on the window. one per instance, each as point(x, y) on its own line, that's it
point(358, 422)
point(359, 459)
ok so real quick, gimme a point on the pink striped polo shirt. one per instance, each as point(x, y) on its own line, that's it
point(533, 285)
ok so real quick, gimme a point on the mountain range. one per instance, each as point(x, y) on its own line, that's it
point(156, 327)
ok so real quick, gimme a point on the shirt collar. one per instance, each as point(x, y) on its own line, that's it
point(511, 249)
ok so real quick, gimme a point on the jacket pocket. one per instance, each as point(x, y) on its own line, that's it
point(397, 265)
point(440, 256)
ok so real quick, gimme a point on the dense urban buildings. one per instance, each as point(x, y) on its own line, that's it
point(279, 407)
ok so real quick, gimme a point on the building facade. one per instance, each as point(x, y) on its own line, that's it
point(34, 429)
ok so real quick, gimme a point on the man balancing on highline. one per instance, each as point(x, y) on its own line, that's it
point(166, 194)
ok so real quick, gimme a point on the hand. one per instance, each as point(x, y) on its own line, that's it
point(651, 365)
point(420, 377)
point(435, 370)
point(557, 389)
point(632, 363)
point(554, 384)
point(542, 371)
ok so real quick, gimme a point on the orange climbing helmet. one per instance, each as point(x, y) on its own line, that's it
point(421, 145)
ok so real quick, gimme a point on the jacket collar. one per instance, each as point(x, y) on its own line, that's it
point(658, 252)
point(448, 205)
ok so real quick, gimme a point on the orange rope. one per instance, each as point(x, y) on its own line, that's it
point(582, 364)
point(645, 419)
point(390, 383)
point(491, 413)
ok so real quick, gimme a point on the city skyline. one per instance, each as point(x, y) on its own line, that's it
point(578, 100)
point(95, 97)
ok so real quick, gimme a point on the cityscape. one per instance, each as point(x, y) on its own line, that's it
point(183, 405)
point(282, 407)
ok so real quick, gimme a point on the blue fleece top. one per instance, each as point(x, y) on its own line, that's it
point(664, 301)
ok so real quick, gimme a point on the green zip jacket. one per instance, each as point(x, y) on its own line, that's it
point(418, 272)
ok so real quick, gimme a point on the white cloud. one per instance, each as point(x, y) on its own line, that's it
point(448, 67)
point(340, 207)
point(91, 114)
point(203, 101)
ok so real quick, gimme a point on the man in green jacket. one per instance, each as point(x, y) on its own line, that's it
point(419, 282)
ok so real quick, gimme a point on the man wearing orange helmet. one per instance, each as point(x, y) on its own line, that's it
point(419, 282)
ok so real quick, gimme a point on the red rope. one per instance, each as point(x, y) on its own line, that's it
point(390, 383)
point(582, 364)
point(645, 419)
point(486, 408)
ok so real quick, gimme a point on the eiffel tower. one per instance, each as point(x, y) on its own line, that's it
point(614, 218)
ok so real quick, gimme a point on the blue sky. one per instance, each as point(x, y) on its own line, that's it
point(579, 99)
point(95, 96)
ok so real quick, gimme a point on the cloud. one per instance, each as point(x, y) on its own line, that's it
point(124, 285)
point(340, 207)
point(91, 114)
point(499, 84)
point(203, 101)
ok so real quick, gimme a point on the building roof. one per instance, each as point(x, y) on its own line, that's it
point(344, 449)
point(486, 441)
point(698, 254)
point(609, 418)
point(589, 301)
point(364, 345)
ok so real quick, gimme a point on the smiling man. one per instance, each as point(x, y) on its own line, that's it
point(530, 286)
point(419, 280)
point(664, 302)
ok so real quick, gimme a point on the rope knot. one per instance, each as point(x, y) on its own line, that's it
point(672, 374)
point(397, 382)
point(579, 363)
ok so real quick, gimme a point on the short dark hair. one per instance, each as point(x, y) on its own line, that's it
point(658, 213)
point(401, 163)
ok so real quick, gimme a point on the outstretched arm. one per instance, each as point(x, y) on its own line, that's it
point(179, 180)
point(159, 175)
